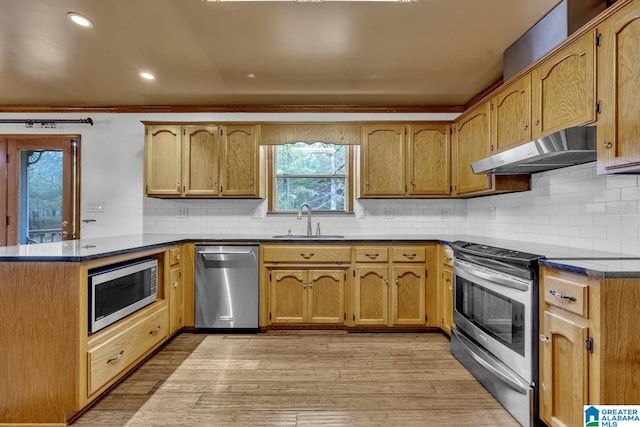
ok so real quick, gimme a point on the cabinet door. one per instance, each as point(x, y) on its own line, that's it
point(472, 143)
point(176, 299)
point(370, 298)
point(383, 160)
point(428, 160)
point(200, 161)
point(563, 88)
point(510, 115)
point(408, 295)
point(325, 296)
point(564, 366)
point(446, 321)
point(163, 171)
point(287, 296)
point(240, 161)
point(618, 88)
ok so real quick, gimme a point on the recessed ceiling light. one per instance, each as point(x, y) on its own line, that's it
point(147, 76)
point(251, 76)
point(78, 19)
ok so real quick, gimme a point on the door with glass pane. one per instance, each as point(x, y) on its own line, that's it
point(42, 189)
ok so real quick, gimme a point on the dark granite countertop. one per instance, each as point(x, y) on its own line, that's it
point(590, 262)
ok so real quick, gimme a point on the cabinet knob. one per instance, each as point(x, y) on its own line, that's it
point(536, 122)
point(607, 144)
point(178, 257)
point(544, 338)
point(175, 284)
point(525, 126)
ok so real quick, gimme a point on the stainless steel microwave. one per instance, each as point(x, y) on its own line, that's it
point(119, 290)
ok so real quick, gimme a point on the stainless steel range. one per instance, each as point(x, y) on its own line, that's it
point(495, 312)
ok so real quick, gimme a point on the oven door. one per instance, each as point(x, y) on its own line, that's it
point(495, 310)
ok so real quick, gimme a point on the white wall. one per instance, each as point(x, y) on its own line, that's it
point(571, 206)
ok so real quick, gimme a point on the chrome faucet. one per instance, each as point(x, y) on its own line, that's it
point(306, 205)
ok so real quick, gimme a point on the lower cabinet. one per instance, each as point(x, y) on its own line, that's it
point(445, 288)
point(175, 290)
point(589, 344)
point(390, 286)
point(307, 296)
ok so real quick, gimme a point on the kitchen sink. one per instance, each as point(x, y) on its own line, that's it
point(305, 237)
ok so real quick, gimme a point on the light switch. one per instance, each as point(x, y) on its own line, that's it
point(95, 206)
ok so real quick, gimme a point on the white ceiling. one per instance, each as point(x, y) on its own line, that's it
point(431, 52)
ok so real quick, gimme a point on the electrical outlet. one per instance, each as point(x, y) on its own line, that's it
point(183, 212)
point(491, 214)
point(95, 206)
point(445, 214)
point(388, 213)
point(361, 213)
point(258, 213)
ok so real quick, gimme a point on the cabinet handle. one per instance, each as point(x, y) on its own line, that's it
point(366, 183)
point(175, 284)
point(116, 358)
point(607, 144)
point(544, 338)
point(372, 255)
point(310, 284)
point(560, 296)
point(178, 185)
point(306, 256)
point(409, 255)
point(396, 281)
point(413, 183)
point(155, 330)
point(386, 282)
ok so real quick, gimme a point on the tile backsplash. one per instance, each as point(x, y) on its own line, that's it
point(572, 206)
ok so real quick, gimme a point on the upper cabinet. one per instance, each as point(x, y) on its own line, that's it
point(618, 88)
point(563, 88)
point(405, 160)
point(471, 143)
point(202, 161)
point(511, 115)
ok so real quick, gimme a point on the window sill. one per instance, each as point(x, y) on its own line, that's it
point(313, 213)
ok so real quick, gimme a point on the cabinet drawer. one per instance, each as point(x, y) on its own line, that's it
point(174, 255)
point(372, 254)
point(408, 254)
point(107, 360)
point(306, 253)
point(569, 295)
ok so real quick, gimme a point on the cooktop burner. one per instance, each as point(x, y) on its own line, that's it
point(494, 252)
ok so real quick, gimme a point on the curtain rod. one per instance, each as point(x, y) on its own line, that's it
point(46, 123)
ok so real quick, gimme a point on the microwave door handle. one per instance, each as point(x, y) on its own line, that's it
point(517, 384)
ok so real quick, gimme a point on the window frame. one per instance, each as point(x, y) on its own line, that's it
point(349, 181)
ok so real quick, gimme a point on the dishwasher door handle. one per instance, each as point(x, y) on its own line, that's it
point(225, 253)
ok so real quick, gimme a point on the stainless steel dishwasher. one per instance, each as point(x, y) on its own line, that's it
point(226, 290)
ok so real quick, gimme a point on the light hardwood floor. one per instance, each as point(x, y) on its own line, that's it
point(300, 378)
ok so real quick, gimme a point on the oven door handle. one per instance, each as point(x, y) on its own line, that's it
point(496, 278)
point(483, 359)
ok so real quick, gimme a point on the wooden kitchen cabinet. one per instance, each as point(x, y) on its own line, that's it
point(304, 284)
point(618, 88)
point(382, 171)
point(511, 115)
point(563, 88)
point(589, 342)
point(202, 161)
point(175, 289)
point(307, 296)
point(445, 288)
point(390, 286)
point(405, 160)
point(471, 142)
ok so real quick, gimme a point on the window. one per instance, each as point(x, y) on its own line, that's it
point(317, 174)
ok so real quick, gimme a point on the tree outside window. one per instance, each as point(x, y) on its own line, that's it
point(311, 173)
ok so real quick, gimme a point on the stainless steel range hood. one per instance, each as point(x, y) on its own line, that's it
point(567, 147)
